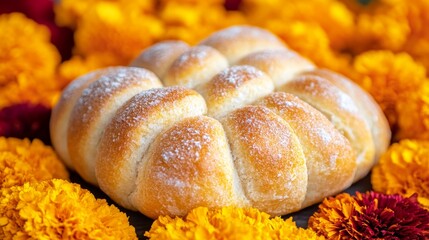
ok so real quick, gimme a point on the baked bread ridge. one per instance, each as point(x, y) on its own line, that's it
point(127, 152)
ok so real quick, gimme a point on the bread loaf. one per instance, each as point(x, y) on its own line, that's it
point(237, 120)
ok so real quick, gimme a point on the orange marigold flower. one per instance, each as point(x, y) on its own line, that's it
point(413, 115)
point(311, 41)
point(404, 169)
point(191, 21)
point(418, 41)
point(379, 24)
point(124, 34)
point(227, 223)
point(389, 78)
point(69, 12)
point(322, 13)
point(25, 50)
point(58, 209)
point(22, 160)
point(28, 62)
point(371, 215)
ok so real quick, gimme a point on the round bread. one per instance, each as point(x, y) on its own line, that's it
point(222, 136)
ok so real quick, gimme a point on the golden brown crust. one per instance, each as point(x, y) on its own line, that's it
point(131, 131)
point(372, 113)
point(195, 66)
point(159, 57)
point(60, 116)
point(238, 41)
point(268, 158)
point(342, 111)
point(233, 88)
point(329, 157)
point(280, 65)
point(94, 109)
point(187, 166)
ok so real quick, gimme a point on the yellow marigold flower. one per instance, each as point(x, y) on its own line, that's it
point(311, 41)
point(322, 13)
point(418, 41)
point(58, 209)
point(379, 25)
point(24, 161)
point(227, 223)
point(404, 169)
point(191, 22)
point(389, 78)
point(79, 65)
point(69, 12)
point(109, 28)
point(27, 90)
point(413, 115)
point(25, 51)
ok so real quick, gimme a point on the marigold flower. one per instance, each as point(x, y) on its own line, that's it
point(311, 41)
point(25, 121)
point(25, 50)
point(29, 62)
point(389, 78)
point(191, 21)
point(404, 169)
point(23, 161)
point(69, 12)
point(58, 209)
point(379, 25)
point(325, 14)
point(413, 115)
point(418, 40)
point(227, 223)
point(371, 215)
point(125, 32)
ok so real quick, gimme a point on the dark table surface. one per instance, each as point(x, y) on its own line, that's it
point(143, 223)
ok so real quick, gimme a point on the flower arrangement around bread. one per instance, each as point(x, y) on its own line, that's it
point(237, 120)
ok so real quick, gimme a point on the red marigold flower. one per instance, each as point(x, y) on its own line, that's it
point(25, 121)
point(371, 215)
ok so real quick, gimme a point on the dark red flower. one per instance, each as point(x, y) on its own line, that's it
point(371, 215)
point(391, 216)
point(25, 121)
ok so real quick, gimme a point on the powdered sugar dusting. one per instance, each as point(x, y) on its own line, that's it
point(235, 76)
point(263, 145)
point(196, 55)
point(108, 84)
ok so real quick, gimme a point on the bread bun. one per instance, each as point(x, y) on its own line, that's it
point(249, 124)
